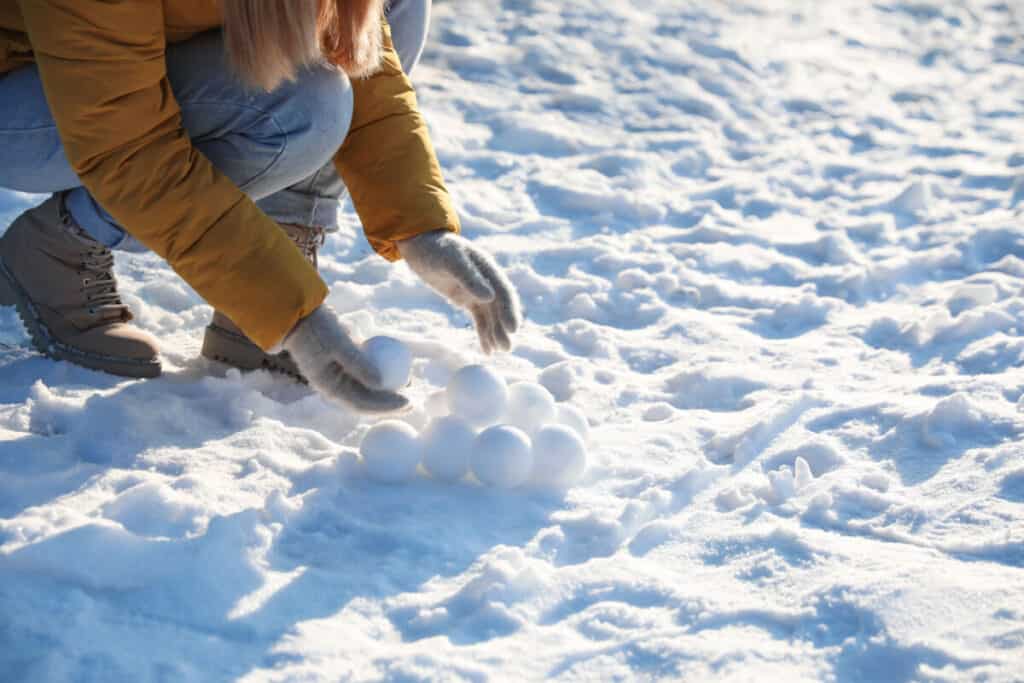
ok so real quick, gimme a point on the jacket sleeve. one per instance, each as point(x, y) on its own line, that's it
point(388, 162)
point(103, 71)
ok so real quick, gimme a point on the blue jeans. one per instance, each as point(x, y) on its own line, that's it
point(277, 147)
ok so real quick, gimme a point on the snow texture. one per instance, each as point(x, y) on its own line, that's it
point(502, 456)
point(392, 358)
point(447, 445)
point(391, 451)
point(478, 395)
point(773, 251)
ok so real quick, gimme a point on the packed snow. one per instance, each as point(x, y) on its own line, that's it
point(559, 456)
point(392, 358)
point(391, 451)
point(478, 395)
point(502, 456)
point(447, 445)
point(530, 406)
point(506, 436)
point(772, 261)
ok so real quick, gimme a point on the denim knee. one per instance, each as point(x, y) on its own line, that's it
point(410, 23)
point(320, 103)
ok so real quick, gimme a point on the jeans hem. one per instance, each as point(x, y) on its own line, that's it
point(299, 209)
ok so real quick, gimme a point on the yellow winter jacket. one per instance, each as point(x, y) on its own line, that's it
point(102, 67)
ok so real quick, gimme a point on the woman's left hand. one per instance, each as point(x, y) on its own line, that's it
point(470, 278)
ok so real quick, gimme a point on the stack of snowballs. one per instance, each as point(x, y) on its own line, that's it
point(506, 435)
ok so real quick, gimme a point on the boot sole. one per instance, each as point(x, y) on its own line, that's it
point(11, 294)
point(237, 351)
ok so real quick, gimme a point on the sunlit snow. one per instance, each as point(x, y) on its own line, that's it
point(773, 252)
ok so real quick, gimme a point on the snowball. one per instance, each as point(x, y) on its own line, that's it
point(392, 358)
point(447, 444)
point(436, 404)
point(477, 395)
point(573, 418)
point(437, 372)
point(529, 406)
point(391, 451)
point(501, 457)
point(559, 456)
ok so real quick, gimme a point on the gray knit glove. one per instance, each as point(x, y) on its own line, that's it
point(469, 278)
point(336, 367)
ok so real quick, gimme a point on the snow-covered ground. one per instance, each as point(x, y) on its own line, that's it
point(773, 249)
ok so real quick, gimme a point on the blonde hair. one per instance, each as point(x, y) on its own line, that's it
point(268, 41)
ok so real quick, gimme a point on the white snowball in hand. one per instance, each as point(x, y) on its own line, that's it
point(573, 418)
point(502, 457)
point(477, 395)
point(529, 406)
point(391, 451)
point(447, 446)
point(392, 358)
point(559, 456)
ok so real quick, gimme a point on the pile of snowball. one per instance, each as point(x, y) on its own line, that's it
point(505, 435)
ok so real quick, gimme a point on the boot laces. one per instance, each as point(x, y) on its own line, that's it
point(100, 286)
point(96, 270)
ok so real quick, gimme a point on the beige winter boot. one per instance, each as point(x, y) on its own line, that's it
point(63, 285)
point(226, 343)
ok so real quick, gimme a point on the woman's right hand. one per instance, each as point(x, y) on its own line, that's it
point(336, 367)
